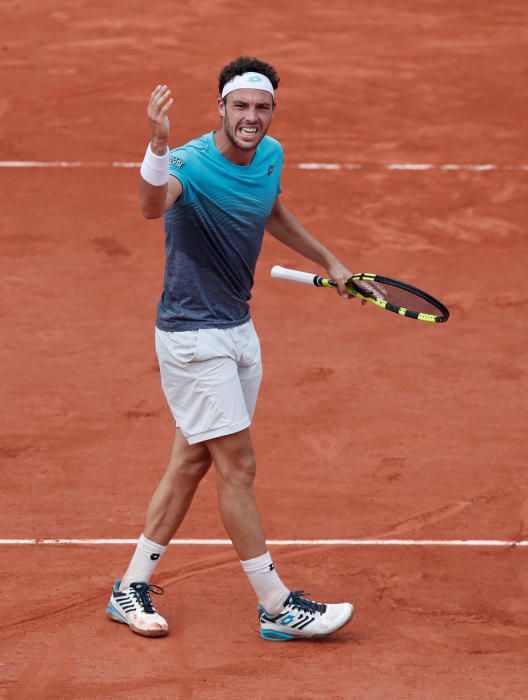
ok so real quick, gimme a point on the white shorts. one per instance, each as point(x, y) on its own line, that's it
point(211, 378)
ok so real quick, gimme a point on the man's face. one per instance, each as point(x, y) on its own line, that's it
point(246, 116)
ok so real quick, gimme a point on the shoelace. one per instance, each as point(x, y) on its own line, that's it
point(297, 601)
point(142, 594)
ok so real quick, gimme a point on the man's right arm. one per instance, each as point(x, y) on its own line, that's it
point(158, 196)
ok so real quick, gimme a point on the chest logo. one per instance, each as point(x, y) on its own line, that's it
point(177, 162)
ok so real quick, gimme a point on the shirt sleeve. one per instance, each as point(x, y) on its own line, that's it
point(177, 165)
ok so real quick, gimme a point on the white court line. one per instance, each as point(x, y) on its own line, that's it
point(476, 167)
point(347, 542)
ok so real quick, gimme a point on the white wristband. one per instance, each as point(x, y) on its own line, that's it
point(155, 169)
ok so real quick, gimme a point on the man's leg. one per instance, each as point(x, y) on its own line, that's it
point(283, 614)
point(235, 464)
point(172, 498)
point(130, 602)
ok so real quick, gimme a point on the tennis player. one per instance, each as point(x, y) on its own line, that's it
point(218, 193)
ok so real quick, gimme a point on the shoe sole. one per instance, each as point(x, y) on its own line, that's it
point(115, 616)
point(275, 636)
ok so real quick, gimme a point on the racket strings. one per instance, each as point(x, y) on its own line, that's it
point(396, 296)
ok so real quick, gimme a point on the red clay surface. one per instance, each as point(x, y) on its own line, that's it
point(368, 425)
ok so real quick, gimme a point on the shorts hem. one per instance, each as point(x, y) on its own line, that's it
point(218, 432)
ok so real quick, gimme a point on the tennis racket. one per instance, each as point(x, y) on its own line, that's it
point(393, 295)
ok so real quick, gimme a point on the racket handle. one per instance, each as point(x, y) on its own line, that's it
point(284, 273)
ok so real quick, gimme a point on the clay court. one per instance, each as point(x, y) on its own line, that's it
point(404, 129)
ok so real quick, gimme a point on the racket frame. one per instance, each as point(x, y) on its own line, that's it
point(401, 310)
point(309, 278)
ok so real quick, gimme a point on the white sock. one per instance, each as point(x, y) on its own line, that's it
point(142, 565)
point(270, 590)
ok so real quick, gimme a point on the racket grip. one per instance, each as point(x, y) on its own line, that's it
point(284, 273)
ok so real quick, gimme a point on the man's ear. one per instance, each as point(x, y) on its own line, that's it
point(220, 106)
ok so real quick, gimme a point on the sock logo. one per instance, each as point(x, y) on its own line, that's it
point(154, 557)
point(271, 566)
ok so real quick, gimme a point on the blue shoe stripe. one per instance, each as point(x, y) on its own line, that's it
point(271, 635)
point(116, 615)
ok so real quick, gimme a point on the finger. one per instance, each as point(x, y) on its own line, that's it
point(163, 96)
point(341, 288)
point(167, 106)
point(159, 106)
point(158, 93)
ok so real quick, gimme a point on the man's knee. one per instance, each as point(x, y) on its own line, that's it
point(234, 459)
point(240, 472)
point(189, 467)
point(193, 470)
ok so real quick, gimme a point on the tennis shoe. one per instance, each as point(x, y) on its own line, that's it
point(133, 607)
point(302, 618)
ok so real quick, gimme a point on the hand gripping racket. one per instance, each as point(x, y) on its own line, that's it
point(393, 295)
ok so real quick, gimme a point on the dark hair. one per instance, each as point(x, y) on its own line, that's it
point(242, 65)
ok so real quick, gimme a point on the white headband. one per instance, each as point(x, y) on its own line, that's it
point(255, 81)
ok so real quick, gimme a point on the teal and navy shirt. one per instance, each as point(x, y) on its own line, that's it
point(213, 234)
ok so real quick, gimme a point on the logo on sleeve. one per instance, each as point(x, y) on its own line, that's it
point(177, 162)
point(270, 169)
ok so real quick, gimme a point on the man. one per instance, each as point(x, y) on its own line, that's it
point(218, 193)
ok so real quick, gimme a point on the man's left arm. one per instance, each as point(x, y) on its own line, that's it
point(283, 226)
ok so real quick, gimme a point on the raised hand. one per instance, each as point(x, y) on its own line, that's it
point(158, 107)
